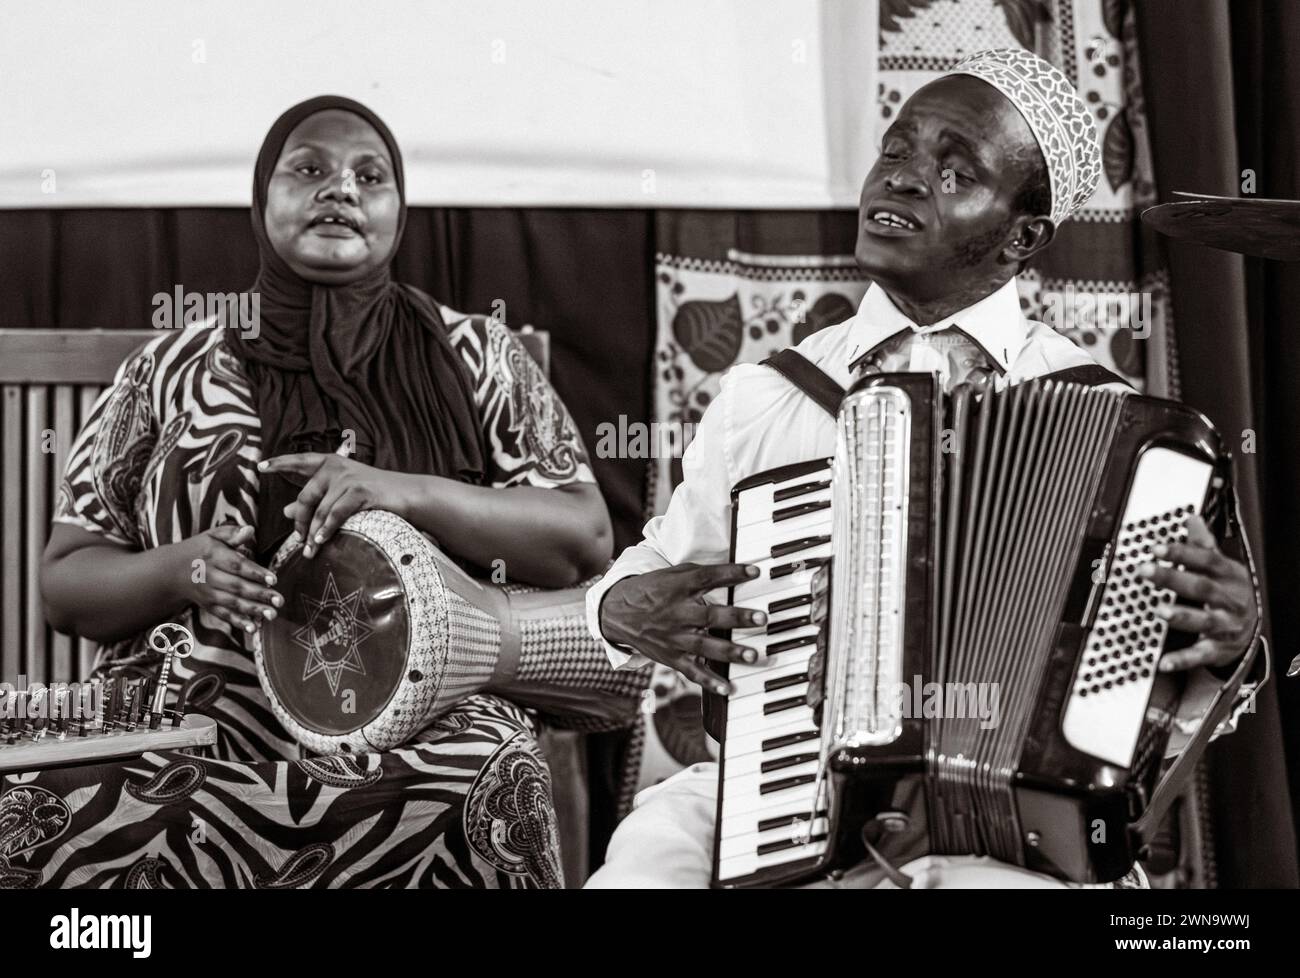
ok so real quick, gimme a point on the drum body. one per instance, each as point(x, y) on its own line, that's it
point(375, 640)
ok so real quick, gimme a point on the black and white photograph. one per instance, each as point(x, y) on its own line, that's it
point(651, 445)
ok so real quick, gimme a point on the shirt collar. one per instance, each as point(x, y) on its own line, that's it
point(995, 323)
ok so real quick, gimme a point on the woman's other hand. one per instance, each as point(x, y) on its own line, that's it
point(336, 488)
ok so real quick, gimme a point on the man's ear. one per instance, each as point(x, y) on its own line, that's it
point(1030, 236)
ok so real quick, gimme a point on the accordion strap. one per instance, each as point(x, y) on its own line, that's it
point(828, 395)
point(809, 378)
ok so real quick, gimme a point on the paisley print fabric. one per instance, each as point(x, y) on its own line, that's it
point(531, 435)
point(508, 816)
point(169, 451)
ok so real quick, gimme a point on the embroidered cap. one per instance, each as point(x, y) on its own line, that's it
point(1059, 119)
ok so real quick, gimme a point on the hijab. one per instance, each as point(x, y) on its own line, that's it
point(370, 356)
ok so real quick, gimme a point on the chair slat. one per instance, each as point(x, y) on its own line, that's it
point(36, 518)
point(87, 395)
point(66, 356)
point(65, 429)
point(11, 499)
point(86, 651)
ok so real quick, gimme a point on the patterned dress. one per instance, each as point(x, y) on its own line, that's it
point(170, 450)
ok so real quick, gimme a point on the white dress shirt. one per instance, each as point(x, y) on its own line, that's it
point(760, 420)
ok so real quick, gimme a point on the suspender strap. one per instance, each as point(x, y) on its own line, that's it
point(809, 378)
point(818, 385)
point(1088, 374)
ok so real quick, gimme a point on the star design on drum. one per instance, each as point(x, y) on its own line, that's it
point(333, 620)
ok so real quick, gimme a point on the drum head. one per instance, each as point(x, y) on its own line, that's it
point(336, 652)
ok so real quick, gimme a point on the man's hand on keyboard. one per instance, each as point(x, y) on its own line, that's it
point(663, 615)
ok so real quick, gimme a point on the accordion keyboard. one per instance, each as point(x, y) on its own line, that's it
point(770, 749)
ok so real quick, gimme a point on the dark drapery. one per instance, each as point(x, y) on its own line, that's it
point(1220, 83)
point(581, 274)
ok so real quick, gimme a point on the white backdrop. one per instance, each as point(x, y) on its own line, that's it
point(653, 103)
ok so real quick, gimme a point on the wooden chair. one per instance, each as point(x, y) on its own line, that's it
point(49, 381)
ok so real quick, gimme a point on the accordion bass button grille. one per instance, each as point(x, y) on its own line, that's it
point(1113, 678)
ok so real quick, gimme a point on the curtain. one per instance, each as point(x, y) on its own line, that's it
point(1236, 328)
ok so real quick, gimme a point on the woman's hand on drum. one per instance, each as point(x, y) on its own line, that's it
point(663, 615)
point(336, 488)
point(231, 587)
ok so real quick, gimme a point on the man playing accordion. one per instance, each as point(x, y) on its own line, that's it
point(974, 178)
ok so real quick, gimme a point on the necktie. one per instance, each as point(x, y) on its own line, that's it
point(949, 353)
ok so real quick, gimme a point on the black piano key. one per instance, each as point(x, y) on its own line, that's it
point(782, 783)
point(788, 624)
point(787, 604)
point(780, 706)
point(776, 648)
point(777, 821)
point(772, 685)
point(776, 743)
point(770, 847)
point(785, 570)
point(799, 509)
point(793, 760)
point(802, 489)
point(803, 543)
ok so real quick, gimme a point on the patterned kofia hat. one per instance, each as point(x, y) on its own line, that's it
point(1060, 120)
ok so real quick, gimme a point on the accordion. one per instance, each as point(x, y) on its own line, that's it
point(989, 649)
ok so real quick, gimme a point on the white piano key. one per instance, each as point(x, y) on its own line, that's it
point(789, 587)
point(750, 739)
point(755, 505)
point(777, 622)
point(751, 707)
point(749, 842)
point(759, 549)
point(754, 681)
point(740, 866)
point(742, 814)
point(747, 783)
point(749, 763)
point(765, 588)
point(800, 655)
point(744, 725)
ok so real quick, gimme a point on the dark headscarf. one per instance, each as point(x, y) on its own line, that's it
point(372, 356)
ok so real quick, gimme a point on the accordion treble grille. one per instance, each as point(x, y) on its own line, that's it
point(871, 485)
